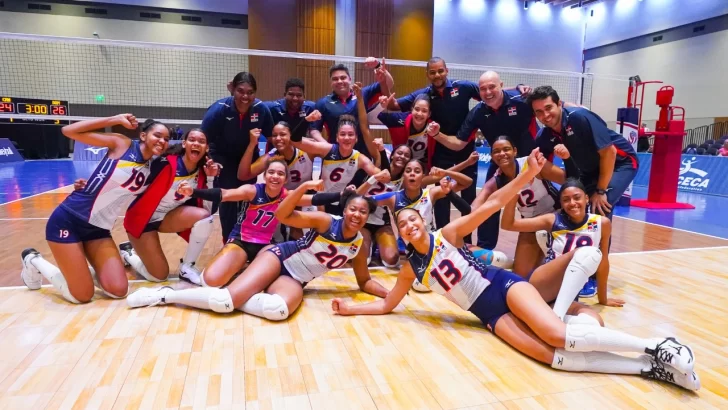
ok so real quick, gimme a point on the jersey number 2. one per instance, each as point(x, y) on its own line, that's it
point(580, 241)
point(331, 258)
point(525, 199)
point(446, 274)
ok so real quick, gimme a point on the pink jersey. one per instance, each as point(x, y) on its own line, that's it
point(257, 221)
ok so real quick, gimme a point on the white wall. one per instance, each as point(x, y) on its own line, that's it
point(694, 66)
point(219, 6)
point(502, 33)
point(617, 20)
point(124, 75)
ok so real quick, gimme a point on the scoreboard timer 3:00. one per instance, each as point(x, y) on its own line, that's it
point(28, 106)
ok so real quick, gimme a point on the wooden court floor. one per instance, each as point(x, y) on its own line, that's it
point(426, 355)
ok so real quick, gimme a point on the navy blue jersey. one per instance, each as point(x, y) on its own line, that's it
point(514, 119)
point(332, 107)
point(228, 134)
point(110, 188)
point(296, 119)
point(449, 109)
point(584, 134)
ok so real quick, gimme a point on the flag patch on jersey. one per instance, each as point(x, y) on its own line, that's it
point(592, 226)
point(254, 117)
point(352, 161)
point(512, 111)
point(302, 159)
point(353, 248)
point(569, 131)
point(440, 247)
point(454, 92)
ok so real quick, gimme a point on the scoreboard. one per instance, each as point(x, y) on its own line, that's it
point(28, 106)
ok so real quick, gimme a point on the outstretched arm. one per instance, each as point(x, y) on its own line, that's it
point(242, 193)
point(364, 279)
point(288, 215)
point(87, 131)
point(405, 279)
point(364, 124)
point(465, 225)
point(313, 147)
point(538, 223)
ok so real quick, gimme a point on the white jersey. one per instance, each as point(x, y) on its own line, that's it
point(337, 171)
point(171, 200)
point(380, 215)
point(537, 198)
point(315, 254)
point(422, 204)
point(567, 236)
point(418, 143)
point(110, 188)
point(451, 271)
point(300, 168)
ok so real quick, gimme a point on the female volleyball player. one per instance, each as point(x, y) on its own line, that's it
point(513, 308)
point(256, 223)
point(538, 197)
point(569, 229)
point(284, 270)
point(79, 228)
point(410, 128)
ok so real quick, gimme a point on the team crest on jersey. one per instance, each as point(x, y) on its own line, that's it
point(302, 114)
point(302, 159)
point(569, 131)
point(454, 92)
point(512, 111)
point(440, 247)
point(592, 226)
point(353, 248)
point(352, 161)
point(424, 199)
point(254, 117)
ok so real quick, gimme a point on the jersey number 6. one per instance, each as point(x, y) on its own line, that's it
point(331, 258)
point(336, 174)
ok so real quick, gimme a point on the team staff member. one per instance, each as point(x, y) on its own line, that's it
point(606, 160)
point(449, 106)
point(293, 109)
point(501, 112)
point(227, 124)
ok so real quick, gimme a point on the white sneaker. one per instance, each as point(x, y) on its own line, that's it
point(671, 351)
point(419, 287)
point(667, 373)
point(190, 273)
point(125, 249)
point(30, 275)
point(148, 297)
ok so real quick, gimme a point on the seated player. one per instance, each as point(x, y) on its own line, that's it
point(570, 228)
point(283, 270)
point(256, 222)
point(537, 198)
point(80, 227)
point(514, 309)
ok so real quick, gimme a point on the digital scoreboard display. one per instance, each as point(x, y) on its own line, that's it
point(28, 106)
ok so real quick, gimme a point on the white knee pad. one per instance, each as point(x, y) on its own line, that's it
point(274, 307)
point(220, 301)
point(569, 361)
point(588, 258)
point(390, 266)
point(142, 270)
point(59, 282)
point(581, 319)
point(203, 227)
point(542, 238)
point(581, 338)
point(501, 260)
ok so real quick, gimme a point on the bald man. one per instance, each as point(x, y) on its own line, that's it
point(500, 112)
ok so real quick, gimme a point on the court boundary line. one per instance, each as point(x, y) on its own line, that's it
point(31, 196)
point(672, 227)
point(385, 269)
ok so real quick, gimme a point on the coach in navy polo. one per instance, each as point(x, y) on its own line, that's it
point(227, 124)
point(293, 108)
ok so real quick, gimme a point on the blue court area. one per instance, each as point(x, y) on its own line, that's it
point(24, 179)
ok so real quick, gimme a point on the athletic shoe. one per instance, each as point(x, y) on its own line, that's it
point(666, 373)
point(125, 249)
point(589, 289)
point(674, 353)
point(148, 297)
point(419, 287)
point(30, 275)
point(188, 272)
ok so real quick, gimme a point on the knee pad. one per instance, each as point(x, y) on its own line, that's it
point(391, 266)
point(220, 301)
point(581, 319)
point(59, 282)
point(588, 258)
point(203, 227)
point(419, 287)
point(569, 361)
point(275, 308)
point(142, 270)
point(542, 238)
point(581, 338)
point(501, 260)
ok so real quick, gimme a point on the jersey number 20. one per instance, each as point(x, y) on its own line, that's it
point(446, 274)
point(579, 240)
point(331, 258)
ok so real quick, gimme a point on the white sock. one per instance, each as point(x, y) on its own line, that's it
point(217, 300)
point(583, 264)
point(136, 263)
point(269, 306)
point(199, 233)
point(599, 362)
point(54, 276)
point(590, 338)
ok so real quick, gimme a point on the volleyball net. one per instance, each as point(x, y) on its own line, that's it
point(177, 83)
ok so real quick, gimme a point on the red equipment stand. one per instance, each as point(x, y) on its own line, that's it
point(666, 152)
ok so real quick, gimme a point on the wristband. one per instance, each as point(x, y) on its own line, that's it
point(212, 195)
point(601, 191)
point(325, 198)
point(371, 181)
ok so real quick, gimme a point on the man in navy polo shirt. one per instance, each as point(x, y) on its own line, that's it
point(227, 124)
point(293, 108)
point(606, 160)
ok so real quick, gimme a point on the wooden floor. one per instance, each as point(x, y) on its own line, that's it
point(426, 355)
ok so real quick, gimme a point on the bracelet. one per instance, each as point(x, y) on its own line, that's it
point(601, 191)
point(379, 64)
point(371, 181)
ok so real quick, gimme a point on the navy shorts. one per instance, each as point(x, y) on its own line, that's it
point(283, 251)
point(65, 227)
point(251, 249)
point(491, 304)
point(153, 226)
